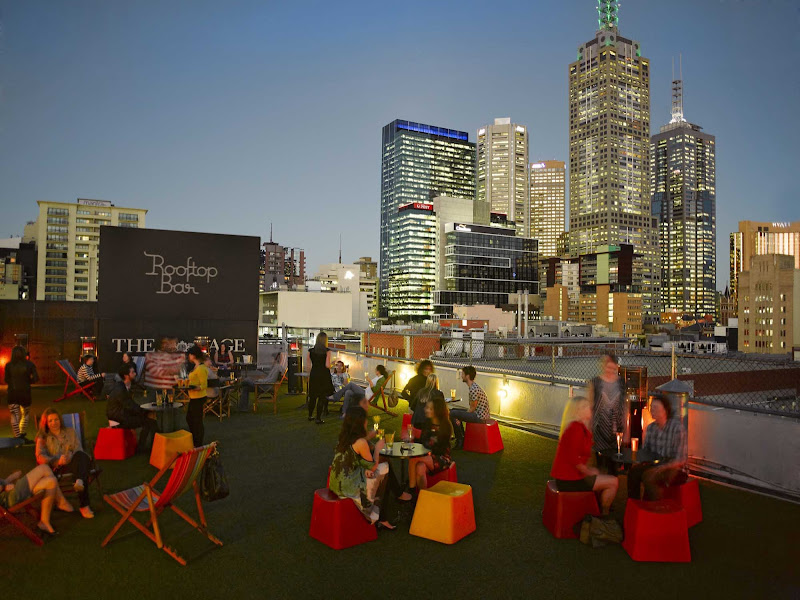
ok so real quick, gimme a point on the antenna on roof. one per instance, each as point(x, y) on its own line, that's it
point(677, 92)
point(340, 248)
point(270, 233)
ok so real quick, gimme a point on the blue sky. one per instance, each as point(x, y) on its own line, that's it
point(226, 116)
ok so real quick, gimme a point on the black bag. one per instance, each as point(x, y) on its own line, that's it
point(213, 481)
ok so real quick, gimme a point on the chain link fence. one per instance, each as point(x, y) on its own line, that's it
point(759, 384)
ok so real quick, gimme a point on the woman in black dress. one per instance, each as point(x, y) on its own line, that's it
point(320, 385)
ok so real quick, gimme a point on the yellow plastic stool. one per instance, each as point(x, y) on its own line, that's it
point(166, 447)
point(444, 513)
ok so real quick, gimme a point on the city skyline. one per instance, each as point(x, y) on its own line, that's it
point(195, 115)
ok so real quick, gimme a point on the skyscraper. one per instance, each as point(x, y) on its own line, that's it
point(548, 204)
point(757, 239)
point(609, 137)
point(683, 182)
point(418, 162)
point(502, 172)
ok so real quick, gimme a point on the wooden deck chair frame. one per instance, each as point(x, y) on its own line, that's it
point(66, 480)
point(8, 514)
point(381, 395)
point(72, 377)
point(186, 469)
point(269, 397)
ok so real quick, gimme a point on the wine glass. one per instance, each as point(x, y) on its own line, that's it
point(619, 443)
point(380, 434)
point(390, 440)
point(410, 433)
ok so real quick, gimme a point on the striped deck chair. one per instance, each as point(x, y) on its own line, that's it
point(187, 468)
point(72, 377)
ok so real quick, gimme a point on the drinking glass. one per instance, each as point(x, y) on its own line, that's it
point(453, 394)
point(380, 433)
point(410, 433)
point(390, 440)
point(619, 443)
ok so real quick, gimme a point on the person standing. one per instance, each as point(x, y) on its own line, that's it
point(198, 392)
point(478, 406)
point(607, 394)
point(20, 374)
point(320, 385)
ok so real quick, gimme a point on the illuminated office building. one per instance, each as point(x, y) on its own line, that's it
point(411, 277)
point(502, 178)
point(757, 239)
point(548, 204)
point(609, 137)
point(67, 239)
point(683, 183)
point(418, 163)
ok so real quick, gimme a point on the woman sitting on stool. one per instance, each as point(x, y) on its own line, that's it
point(436, 434)
point(59, 447)
point(570, 468)
point(423, 397)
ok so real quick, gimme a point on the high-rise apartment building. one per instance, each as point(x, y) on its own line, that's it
point(67, 238)
point(609, 137)
point(281, 267)
point(548, 204)
point(757, 239)
point(502, 177)
point(411, 276)
point(683, 184)
point(418, 163)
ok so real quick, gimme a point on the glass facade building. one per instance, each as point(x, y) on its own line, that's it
point(683, 182)
point(418, 163)
point(483, 265)
point(412, 272)
point(548, 204)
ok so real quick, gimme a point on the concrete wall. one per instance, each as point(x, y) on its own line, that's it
point(755, 449)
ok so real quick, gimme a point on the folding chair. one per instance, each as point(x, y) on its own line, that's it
point(72, 377)
point(187, 468)
point(273, 398)
point(7, 514)
point(381, 395)
point(78, 422)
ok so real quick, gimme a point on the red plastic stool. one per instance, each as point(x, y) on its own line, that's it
point(406, 421)
point(449, 474)
point(114, 443)
point(687, 495)
point(563, 509)
point(416, 433)
point(337, 522)
point(656, 531)
point(483, 437)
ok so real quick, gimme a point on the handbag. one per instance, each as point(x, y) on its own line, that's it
point(392, 400)
point(213, 481)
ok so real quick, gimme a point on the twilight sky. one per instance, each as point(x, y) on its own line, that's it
point(225, 116)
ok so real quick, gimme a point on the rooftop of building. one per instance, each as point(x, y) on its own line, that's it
point(744, 548)
point(90, 203)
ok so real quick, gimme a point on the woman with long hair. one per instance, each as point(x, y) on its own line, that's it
point(357, 473)
point(425, 395)
point(320, 385)
point(435, 436)
point(416, 383)
point(570, 467)
point(376, 384)
point(59, 447)
point(20, 375)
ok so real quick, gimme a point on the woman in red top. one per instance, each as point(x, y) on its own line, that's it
point(570, 468)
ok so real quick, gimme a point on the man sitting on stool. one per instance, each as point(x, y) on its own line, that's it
point(478, 406)
point(124, 410)
point(665, 437)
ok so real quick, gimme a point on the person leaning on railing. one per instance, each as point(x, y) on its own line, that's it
point(665, 438)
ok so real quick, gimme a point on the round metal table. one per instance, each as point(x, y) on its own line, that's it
point(165, 414)
point(398, 453)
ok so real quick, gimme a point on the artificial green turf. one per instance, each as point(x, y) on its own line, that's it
point(746, 547)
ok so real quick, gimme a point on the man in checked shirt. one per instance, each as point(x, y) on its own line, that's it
point(665, 437)
point(478, 406)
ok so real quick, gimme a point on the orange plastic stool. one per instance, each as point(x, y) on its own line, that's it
point(114, 443)
point(166, 446)
point(444, 513)
point(337, 522)
point(563, 509)
point(449, 474)
point(656, 531)
point(483, 437)
point(687, 495)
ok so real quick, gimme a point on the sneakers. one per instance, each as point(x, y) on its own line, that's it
point(86, 512)
point(78, 487)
